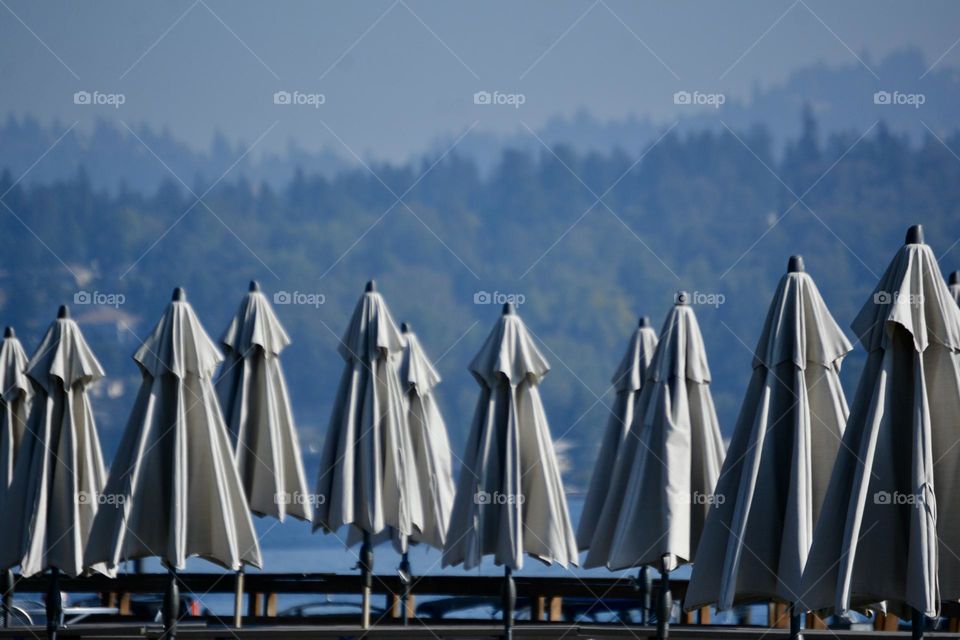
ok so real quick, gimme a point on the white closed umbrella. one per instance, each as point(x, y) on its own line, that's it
point(627, 382)
point(58, 474)
point(510, 499)
point(774, 479)
point(16, 394)
point(663, 480)
point(888, 526)
point(256, 407)
point(174, 481)
point(366, 477)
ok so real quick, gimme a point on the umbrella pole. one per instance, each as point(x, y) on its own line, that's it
point(509, 602)
point(405, 579)
point(645, 585)
point(366, 578)
point(8, 586)
point(54, 604)
point(664, 606)
point(171, 606)
point(795, 623)
point(238, 599)
point(918, 623)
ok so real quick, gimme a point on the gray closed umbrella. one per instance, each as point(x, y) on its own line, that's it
point(627, 382)
point(366, 477)
point(510, 499)
point(58, 474)
point(16, 394)
point(663, 480)
point(774, 480)
point(664, 476)
point(177, 490)
point(256, 407)
point(889, 523)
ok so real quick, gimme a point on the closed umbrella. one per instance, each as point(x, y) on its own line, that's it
point(775, 475)
point(627, 382)
point(366, 478)
point(881, 535)
point(664, 478)
point(177, 490)
point(58, 474)
point(16, 394)
point(955, 285)
point(510, 497)
point(256, 408)
point(431, 450)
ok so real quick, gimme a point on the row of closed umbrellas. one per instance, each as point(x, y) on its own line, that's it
point(814, 504)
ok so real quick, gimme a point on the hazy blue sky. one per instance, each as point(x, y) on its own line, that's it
point(397, 74)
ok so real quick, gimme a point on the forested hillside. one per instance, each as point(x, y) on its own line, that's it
point(588, 241)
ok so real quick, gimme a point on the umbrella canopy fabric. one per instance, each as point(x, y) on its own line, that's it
point(16, 394)
point(510, 497)
point(366, 477)
point(664, 478)
point(775, 475)
point(59, 473)
point(955, 285)
point(428, 436)
point(256, 407)
point(177, 490)
point(894, 486)
point(627, 382)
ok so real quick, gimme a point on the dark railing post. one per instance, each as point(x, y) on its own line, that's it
point(645, 585)
point(8, 586)
point(171, 606)
point(366, 577)
point(918, 623)
point(665, 605)
point(795, 615)
point(509, 601)
point(54, 604)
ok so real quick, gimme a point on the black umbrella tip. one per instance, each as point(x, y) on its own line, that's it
point(179, 295)
point(254, 286)
point(914, 235)
point(406, 327)
point(955, 277)
point(644, 322)
point(795, 265)
point(509, 309)
point(681, 298)
point(371, 286)
point(9, 333)
point(63, 313)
